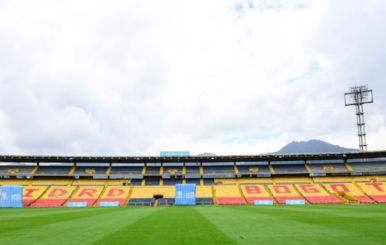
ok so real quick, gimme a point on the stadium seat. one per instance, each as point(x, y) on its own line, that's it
point(350, 189)
point(31, 194)
point(255, 192)
point(228, 194)
point(115, 194)
point(87, 194)
point(284, 192)
point(376, 191)
point(315, 194)
point(55, 196)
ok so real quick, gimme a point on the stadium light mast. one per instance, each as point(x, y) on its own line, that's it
point(358, 96)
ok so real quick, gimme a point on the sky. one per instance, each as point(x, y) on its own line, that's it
point(221, 76)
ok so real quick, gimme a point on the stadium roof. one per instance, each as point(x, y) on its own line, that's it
point(219, 158)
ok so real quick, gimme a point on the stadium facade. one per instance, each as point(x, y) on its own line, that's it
point(325, 178)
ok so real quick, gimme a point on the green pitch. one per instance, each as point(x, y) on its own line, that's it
point(316, 224)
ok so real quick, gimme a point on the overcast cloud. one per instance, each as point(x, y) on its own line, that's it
point(227, 77)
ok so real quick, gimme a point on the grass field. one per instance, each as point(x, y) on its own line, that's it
point(316, 224)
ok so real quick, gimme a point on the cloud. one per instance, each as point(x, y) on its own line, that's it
point(228, 77)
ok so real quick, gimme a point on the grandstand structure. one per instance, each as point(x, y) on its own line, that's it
point(325, 178)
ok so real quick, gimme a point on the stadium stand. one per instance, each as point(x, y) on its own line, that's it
point(172, 181)
point(53, 170)
point(320, 180)
point(92, 170)
point(54, 197)
point(152, 182)
point(16, 169)
point(376, 191)
point(147, 195)
point(349, 189)
point(50, 182)
point(88, 182)
point(153, 170)
point(87, 194)
point(204, 195)
point(315, 194)
point(208, 181)
point(368, 166)
point(293, 180)
point(247, 181)
point(15, 182)
point(255, 192)
point(114, 194)
point(228, 194)
point(31, 194)
point(253, 169)
point(172, 170)
point(192, 170)
point(284, 192)
point(326, 168)
point(193, 181)
point(126, 170)
point(219, 170)
point(295, 168)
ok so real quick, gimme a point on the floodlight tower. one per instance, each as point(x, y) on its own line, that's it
point(358, 96)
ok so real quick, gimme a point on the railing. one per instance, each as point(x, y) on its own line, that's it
point(140, 204)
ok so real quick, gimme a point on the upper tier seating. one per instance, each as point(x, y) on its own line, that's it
point(172, 181)
point(153, 170)
point(246, 169)
point(219, 170)
point(136, 182)
point(152, 182)
point(126, 170)
point(284, 192)
point(208, 181)
point(294, 168)
point(350, 189)
point(55, 196)
point(97, 170)
point(20, 169)
point(255, 192)
point(87, 194)
point(315, 194)
point(376, 191)
point(30, 194)
point(193, 181)
point(320, 168)
point(192, 169)
point(53, 170)
point(115, 194)
point(228, 194)
point(172, 170)
point(368, 166)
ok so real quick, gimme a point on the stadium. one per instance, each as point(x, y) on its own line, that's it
point(332, 187)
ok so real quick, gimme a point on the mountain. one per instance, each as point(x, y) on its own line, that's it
point(312, 146)
point(206, 154)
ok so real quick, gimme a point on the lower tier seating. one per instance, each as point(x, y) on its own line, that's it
point(379, 199)
point(204, 201)
point(282, 200)
point(251, 200)
point(324, 200)
point(230, 201)
point(141, 202)
point(166, 201)
point(49, 203)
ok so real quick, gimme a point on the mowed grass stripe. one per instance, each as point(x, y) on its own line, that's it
point(82, 230)
point(262, 225)
point(48, 217)
point(171, 225)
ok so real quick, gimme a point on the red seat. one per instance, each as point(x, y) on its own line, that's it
point(48, 203)
point(27, 202)
point(250, 200)
point(281, 200)
point(230, 201)
point(380, 199)
point(90, 202)
point(323, 199)
point(121, 201)
point(364, 199)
